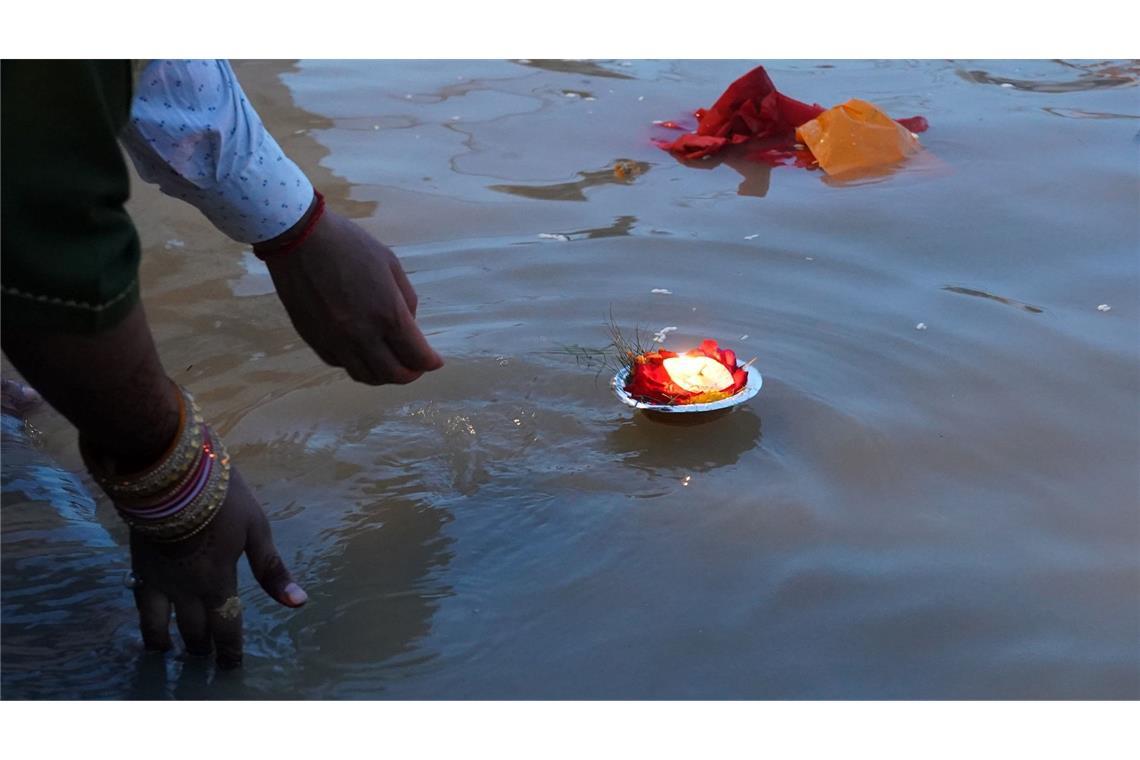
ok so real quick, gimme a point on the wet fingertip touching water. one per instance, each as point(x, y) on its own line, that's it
point(934, 495)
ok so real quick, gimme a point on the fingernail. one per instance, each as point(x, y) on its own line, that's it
point(296, 595)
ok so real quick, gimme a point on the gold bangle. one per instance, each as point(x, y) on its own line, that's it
point(200, 512)
point(182, 462)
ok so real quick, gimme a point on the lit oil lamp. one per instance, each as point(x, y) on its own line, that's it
point(704, 379)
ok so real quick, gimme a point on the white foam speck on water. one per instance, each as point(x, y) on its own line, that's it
point(920, 326)
point(1104, 307)
point(553, 236)
point(753, 236)
point(744, 337)
point(662, 291)
point(660, 335)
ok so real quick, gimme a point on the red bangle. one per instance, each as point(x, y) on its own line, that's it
point(295, 243)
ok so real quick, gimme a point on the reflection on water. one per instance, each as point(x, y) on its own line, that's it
point(585, 68)
point(622, 225)
point(756, 176)
point(900, 513)
point(1092, 77)
point(992, 297)
point(376, 619)
point(1077, 113)
point(647, 442)
point(622, 172)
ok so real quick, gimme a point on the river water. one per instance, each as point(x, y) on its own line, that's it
point(949, 512)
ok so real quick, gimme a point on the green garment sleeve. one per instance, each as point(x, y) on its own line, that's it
point(69, 253)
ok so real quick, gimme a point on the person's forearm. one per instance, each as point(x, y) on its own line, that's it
point(195, 134)
point(110, 385)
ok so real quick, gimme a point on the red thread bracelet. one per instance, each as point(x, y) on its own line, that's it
point(295, 243)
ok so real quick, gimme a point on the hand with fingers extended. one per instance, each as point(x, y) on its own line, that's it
point(198, 578)
point(351, 301)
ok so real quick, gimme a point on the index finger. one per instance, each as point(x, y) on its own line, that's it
point(405, 286)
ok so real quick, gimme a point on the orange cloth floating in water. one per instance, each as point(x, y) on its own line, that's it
point(856, 135)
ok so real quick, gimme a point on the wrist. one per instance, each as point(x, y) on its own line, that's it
point(137, 443)
point(276, 248)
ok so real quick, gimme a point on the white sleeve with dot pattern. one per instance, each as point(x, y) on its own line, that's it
point(194, 134)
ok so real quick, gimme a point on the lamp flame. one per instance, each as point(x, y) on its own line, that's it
point(698, 373)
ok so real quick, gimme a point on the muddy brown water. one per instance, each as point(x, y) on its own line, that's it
point(951, 512)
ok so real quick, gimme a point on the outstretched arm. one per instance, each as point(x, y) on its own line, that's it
point(194, 133)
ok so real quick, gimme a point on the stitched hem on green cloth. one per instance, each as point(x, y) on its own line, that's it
point(24, 309)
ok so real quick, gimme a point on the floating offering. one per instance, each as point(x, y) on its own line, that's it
point(752, 109)
point(705, 379)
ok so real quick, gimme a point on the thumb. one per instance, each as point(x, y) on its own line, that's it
point(268, 567)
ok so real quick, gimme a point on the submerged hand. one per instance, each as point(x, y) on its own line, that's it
point(351, 301)
point(198, 577)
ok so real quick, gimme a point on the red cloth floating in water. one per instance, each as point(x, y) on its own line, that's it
point(649, 382)
point(916, 124)
point(753, 108)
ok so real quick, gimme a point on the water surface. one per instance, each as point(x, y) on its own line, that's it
point(950, 512)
